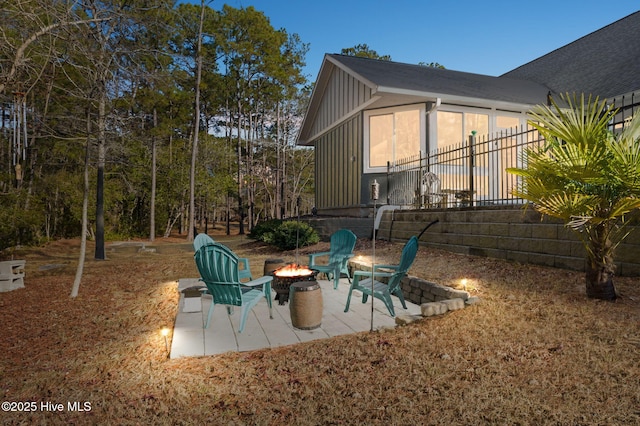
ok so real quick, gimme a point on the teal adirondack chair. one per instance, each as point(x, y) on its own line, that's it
point(340, 251)
point(381, 290)
point(203, 239)
point(218, 267)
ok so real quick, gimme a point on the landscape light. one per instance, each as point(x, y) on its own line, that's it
point(165, 333)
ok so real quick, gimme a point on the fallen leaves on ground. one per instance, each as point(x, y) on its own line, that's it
point(535, 351)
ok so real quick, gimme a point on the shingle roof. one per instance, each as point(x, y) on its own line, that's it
point(398, 77)
point(604, 63)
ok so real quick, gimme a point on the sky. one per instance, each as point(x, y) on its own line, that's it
point(486, 37)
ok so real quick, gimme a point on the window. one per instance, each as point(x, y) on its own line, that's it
point(506, 122)
point(455, 127)
point(393, 134)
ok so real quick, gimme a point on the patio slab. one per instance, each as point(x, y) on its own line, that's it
point(191, 339)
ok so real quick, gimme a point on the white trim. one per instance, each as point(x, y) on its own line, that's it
point(421, 108)
point(337, 122)
point(449, 98)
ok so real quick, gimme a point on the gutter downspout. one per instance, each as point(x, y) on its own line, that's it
point(435, 106)
point(381, 210)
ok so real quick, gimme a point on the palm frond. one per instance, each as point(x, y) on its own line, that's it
point(625, 151)
point(581, 123)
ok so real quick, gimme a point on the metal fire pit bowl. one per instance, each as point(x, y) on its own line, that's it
point(281, 285)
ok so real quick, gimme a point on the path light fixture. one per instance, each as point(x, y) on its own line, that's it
point(165, 333)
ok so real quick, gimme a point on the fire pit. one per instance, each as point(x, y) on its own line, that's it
point(287, 275)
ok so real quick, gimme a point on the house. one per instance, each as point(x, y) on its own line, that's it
point(365, 114)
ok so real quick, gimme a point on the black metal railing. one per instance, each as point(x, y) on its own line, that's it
point(473, 173)
point(463, 175)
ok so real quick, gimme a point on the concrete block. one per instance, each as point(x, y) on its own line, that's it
point(454, 304)
point(519, 230)
point(508, 243)
point(459, 294)
point(433, 308)
point(496, 229)
point(425, 298)
point(481, 241)
point(545, 231)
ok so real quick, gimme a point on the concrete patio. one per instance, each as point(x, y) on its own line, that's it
point(191, 339)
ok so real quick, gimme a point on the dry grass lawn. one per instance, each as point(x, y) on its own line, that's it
point(535, 351)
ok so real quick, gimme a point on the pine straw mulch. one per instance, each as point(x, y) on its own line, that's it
point(535, 351)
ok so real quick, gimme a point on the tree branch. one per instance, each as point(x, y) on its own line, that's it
point(20, 52)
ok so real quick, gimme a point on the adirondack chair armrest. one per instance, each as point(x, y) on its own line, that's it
point(357, 275)
point(259, 281)
point(264, 281)
point(392, 267)
point(313, 256)
point(341, 260)
point(245, 263)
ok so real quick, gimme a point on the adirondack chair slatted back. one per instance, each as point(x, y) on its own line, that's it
point(201, 240)
point(406, 260)
point(218, 267)
point(340, 251)
point(342, 244)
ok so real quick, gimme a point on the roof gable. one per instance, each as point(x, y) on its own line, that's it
point(401, 83)
point(401, 78)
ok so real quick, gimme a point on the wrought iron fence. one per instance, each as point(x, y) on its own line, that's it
point(468, 174)
point(473, 173)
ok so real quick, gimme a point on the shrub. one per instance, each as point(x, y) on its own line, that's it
point(288, 234)
point(263, 231)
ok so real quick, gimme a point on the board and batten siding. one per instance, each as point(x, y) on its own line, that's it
point(338, 144)
point(339, 168)
point(343, 95)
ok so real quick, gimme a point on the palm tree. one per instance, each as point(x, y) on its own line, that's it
point(587, 175)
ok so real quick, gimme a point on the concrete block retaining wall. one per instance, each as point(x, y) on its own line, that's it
point(434, 299)
point(325, 226)
point(510, 233)
point(513, 234)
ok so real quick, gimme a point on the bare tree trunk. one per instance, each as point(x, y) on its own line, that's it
point(85, 205)
point(240, 187)
point(228, 142)
point(100, 252)
point(278, 192)
point(152, 207)
point(283, 154)
point(251, 140)
point(196, 129)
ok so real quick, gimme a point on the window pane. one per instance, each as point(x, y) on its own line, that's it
point(407, 134)
point(380, 139)
point(503, 122)
point(477, 122)
point(449, 128)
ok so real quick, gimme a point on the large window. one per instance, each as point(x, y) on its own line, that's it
point(455, 127)
point(393, 134)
